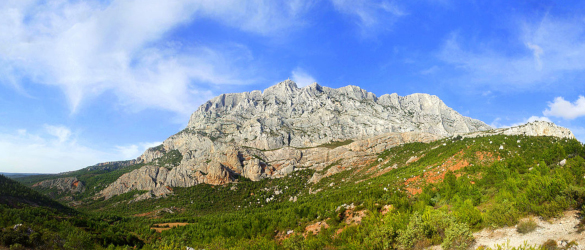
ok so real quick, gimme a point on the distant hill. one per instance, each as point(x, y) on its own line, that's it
point(14, 194)
point(18, 175)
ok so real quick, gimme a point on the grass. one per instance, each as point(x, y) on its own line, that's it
point(335, 144)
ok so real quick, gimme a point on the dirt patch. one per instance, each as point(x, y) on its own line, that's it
point(166, 226)
point(486, 157)
point(385, 209)
point(315, 228)
point(558, 229)
point(414, 159)
point(385, 170)
point(434, 174)
point(352, 217)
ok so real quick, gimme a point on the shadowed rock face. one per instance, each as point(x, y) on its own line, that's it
point(67, 184)
point(269, 134)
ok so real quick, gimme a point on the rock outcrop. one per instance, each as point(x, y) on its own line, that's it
point(285, 115)
point(66, 184)
point(272, 133)
point(536, 128)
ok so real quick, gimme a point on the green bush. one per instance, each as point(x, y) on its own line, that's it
point(458, 237)
point(502, 214)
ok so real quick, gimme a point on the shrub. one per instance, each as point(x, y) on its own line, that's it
point(425, 230)
point(549, 245)
point(458, 236)
point(502, 214)
point(526, 226)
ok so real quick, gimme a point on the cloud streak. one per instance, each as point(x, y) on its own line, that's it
point(547, 52)
point(372, 16)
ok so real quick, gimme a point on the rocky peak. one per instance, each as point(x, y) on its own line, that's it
point(285, 115)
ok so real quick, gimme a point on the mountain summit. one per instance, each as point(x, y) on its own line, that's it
point(285, 115)
point(271, 133)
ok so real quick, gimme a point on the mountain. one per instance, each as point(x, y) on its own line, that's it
point(284, 128)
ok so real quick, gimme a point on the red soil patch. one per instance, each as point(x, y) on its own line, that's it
point(166, 226)
point(437, 174)
point(486, 156)
point(282, 235)
point(386, 209)
point(351, 218)
point(315, 228)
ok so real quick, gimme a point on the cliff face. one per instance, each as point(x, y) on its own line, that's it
point(67, 184)
point(270, 134)
point(284, 115)
point(536, 128)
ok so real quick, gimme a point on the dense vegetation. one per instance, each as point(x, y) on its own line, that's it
point(416, 195)
point(31, 220)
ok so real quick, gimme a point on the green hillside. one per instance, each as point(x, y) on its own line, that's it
point(414, 196)
point(30, 220)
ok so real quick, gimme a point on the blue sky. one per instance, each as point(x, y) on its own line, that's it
point(83, 82)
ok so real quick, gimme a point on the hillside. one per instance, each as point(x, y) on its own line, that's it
point(321, 168)
point(15, 195)
point(30, 220)
point(413, 195)
point(416, 195)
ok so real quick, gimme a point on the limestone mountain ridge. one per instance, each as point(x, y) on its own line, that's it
point(272, 133)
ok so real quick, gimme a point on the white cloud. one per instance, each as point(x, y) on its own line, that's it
point(371, 16)
point(87, 48)
point(135, 150)
point(548, 51)
point(61, 132)
point(55, 149)
point(302, 78)
point(565, 109)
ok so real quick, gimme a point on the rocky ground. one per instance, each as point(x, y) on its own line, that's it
point(559, 229)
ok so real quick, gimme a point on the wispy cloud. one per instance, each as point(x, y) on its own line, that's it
point(548, 51)
point(135, 150)
point(372, 16)
point(302, 78)
point(565, 109)
point(87, 48)
point(430, 70)
point(56, 149)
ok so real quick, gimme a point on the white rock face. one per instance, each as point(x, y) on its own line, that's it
point(284, 115)
point(269, 134)
point(536, 128)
